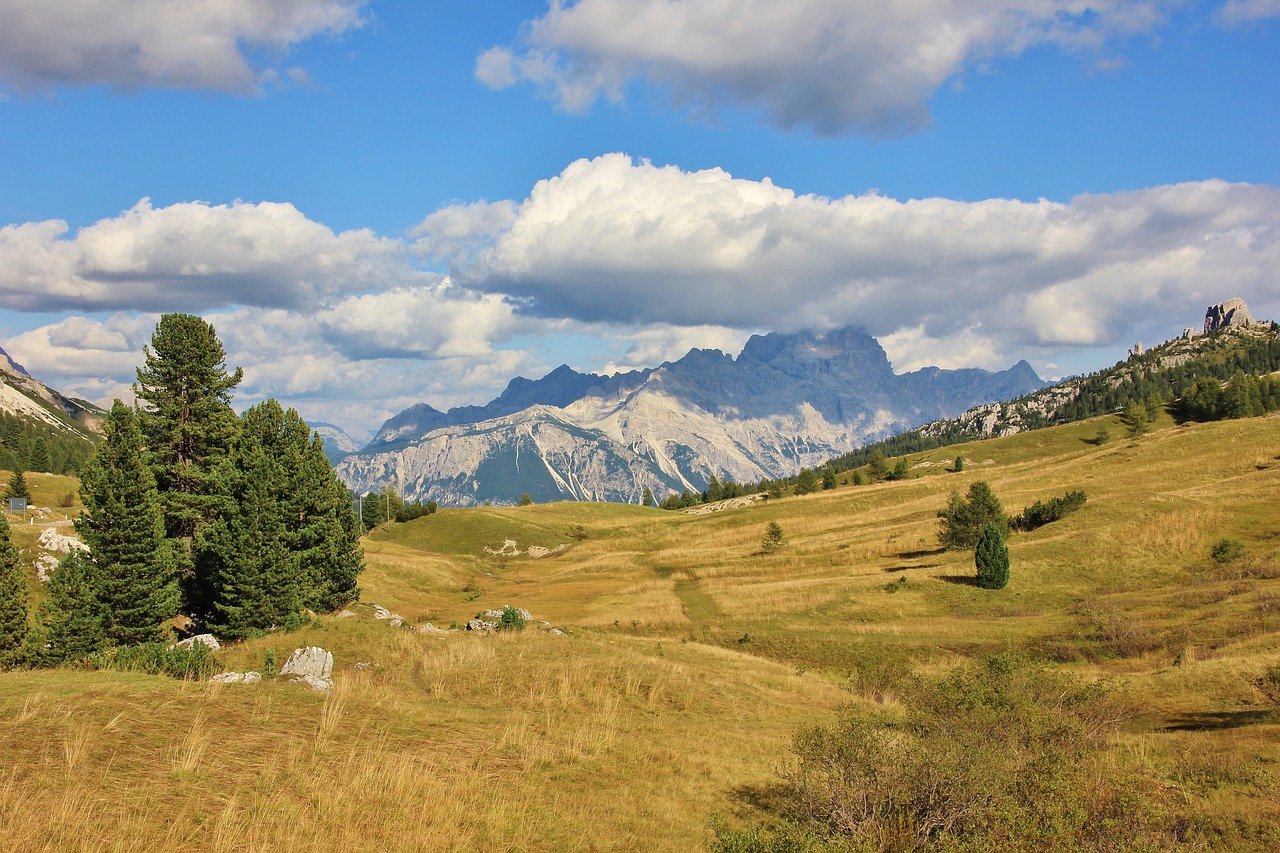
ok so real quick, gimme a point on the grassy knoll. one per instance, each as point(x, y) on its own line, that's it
point(691, 660)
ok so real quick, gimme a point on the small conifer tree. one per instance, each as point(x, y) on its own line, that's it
point(72, 621)
point(773, 538)
point(18, 487)
point(992, 558)
point(964, 518)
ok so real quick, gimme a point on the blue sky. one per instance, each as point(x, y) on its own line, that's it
point(381, 203)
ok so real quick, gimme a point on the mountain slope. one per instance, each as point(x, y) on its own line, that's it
point(785, 402)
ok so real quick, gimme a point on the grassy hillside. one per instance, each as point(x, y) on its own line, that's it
point(690, 660)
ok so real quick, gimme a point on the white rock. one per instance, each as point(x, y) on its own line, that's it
point(45, 564)
point(312, 661)
point(207, 640)
point(380, 612)
point(51, 540)
point(319, 685)
point(236, 678)
point(345, 614)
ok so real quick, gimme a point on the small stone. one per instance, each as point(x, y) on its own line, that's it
point(380, 612)
point(345, 614)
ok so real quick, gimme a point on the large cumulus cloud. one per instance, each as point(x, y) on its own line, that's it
point(227, 45)
point(616, 241)
point(832, 65)
point(192, 256)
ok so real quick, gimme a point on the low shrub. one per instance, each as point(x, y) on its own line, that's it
point(1001, 753)
point(1226, 550)
point(1041, 513)
point(194, 663)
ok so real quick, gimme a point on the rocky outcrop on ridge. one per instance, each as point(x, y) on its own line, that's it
point(1227, 314)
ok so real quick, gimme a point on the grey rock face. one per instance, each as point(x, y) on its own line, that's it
point(1224, 315)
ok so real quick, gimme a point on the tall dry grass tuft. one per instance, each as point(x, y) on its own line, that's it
point(189, 752)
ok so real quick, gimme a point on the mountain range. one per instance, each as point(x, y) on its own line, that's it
point(786, 401)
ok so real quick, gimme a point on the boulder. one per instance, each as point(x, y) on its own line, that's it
point(312, 660)
point(203, 639)
point(481, 625)
point(313, 666)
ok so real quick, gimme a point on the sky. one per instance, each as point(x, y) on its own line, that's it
point(382, 202)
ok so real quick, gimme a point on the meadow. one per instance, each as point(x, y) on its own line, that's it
point(686, 662)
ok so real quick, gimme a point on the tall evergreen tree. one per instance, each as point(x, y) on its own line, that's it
point(253, 576)
point(287, 537)
point(124, 528)
point(72, 620)
point(40, 460)
point(185, 393)
point(13, 600)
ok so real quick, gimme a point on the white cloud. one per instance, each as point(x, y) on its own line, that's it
point(831, 65)
point(132, 44)
point(192, 256)
point(617, 242)
point(1235, 13)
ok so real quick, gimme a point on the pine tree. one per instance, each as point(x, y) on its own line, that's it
point(13, 600)
point(646, 497)
point(964, 518)
point(773, 538)
point(806, 482)
point(18, 487)
point(992, 558)
point(72, 620)
point(124, 528)
point(1135, 419)
point(254, 577)
point(287, 536)
point(186, 417)
point(40, 455)
point(328, 536)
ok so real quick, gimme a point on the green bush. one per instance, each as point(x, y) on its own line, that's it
point(195, 663)
point(511, 620)
point(1000, 754)
point(1041, 513)
point(1226, 550)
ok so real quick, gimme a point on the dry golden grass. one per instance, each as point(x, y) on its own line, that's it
point(690, 661)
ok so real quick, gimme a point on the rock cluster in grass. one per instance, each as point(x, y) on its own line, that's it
point(312, 666)
point(236, 678)
point(488, 620)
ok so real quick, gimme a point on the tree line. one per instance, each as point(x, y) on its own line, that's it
point(26, 445)
point(236, 521)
